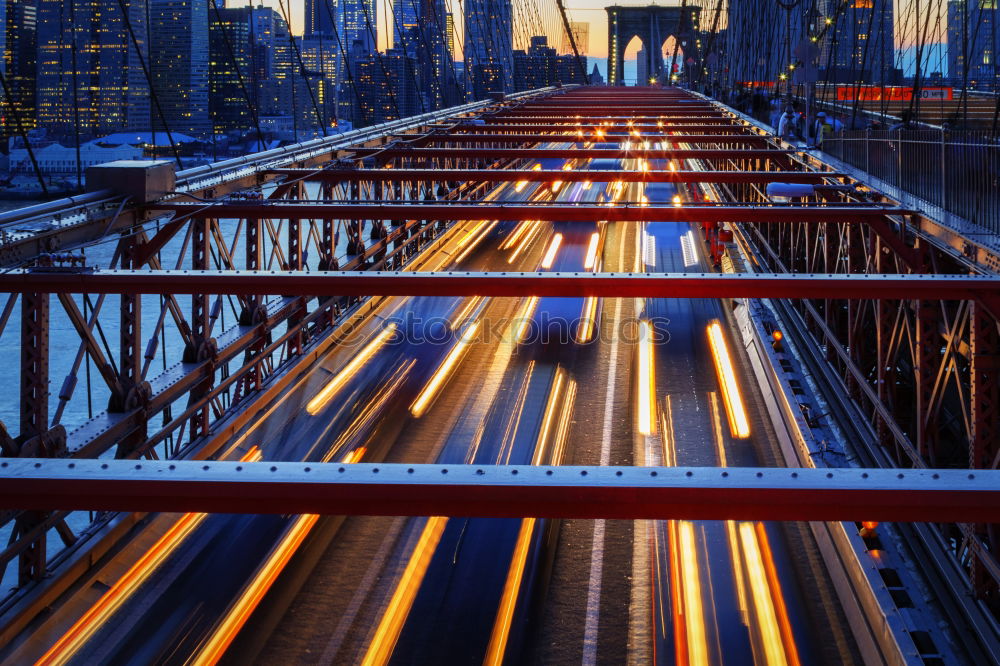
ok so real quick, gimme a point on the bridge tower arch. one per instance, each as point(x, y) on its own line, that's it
point(653, 25)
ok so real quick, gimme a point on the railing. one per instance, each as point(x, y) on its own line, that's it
point(956, 171)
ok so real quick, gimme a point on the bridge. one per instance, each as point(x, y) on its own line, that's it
point(578, 374)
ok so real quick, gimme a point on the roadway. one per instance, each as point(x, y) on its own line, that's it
point(445, 379)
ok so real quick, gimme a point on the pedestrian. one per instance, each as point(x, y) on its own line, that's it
point(786, 125)
point(823, 129)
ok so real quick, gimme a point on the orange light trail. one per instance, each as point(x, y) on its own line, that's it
point(384, 641)
point(536, 228)
point(523, 318)
point(444, 372)
point(739, 424)
point(334, 385)
point(647, 381)
point(83, 629)
point(591, 258)
point(588, 320)
point(767, 622)
point(694, 614)
point(550, 254)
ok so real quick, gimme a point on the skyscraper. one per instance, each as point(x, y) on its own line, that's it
point(273, 66)
point(449, 32)
point(489, 46)
point(179, 57)
point(421, 32)
point(233, 87)
point(359, 24)
point(319, 16)
point(973, 42)
point(860, 46)
point(18, 53)
point(90, 78)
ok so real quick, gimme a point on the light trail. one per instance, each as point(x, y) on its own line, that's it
point(348, 371)
point(526, 241)
point(483, 232)
point(237, 615)
point(588, 320)
point(590, 261)
point(550, 254)
point(646, 402)
point(688, 249)
point(694, 615)
point(767, 622)
point(739, 424)
point(122, 590)
point(497, 647)
point(777, 595)
point(384, 641)
point(462, 315)
point(549, 448)
point(523, 318)
point(519, 231)
point(444, 372)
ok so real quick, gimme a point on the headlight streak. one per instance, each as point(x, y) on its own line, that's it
point(646, 407)
point(549, 448)
point(444, 372)
point(526, 241)
point(523, 318)
point(648, 248)
point(462, 314)
point(590, 259)
point(694, 614)
point(391, 625)
point(688, 249)
point(519, 231)
point(764, 610)
point(483, 232)
point(122, 590)
point(550, 254)
point(348, 371)
point(588, 320)
point(739, 424)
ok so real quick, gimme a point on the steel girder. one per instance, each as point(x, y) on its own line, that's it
point(548, 176)
point(620, 212)
point(614, 130)
point(698, 493)
point(658, 137)
point(393, 151)
point(923, 368)
point(622, 121)
point(638, 285)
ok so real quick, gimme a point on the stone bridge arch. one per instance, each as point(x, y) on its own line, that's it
point(653, 25)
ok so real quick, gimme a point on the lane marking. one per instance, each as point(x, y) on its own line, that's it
point(592, 623)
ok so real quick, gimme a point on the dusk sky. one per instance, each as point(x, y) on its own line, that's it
point(592, 12)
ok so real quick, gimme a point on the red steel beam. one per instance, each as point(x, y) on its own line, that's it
point(755, 140)
point(513, 175)
point(569, 153)
point(389, 283)
point(569, 126)
point(623, 120)
point(620, 212)
point(590, 110)
point(690, 493)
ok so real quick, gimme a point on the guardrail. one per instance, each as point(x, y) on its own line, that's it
point(957, 171)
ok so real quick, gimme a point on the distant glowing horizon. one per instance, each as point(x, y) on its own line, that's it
point(592, 12)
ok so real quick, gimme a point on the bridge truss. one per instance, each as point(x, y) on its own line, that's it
point(258, 268)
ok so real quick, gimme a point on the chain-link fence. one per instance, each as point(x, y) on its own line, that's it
point(958, 171)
